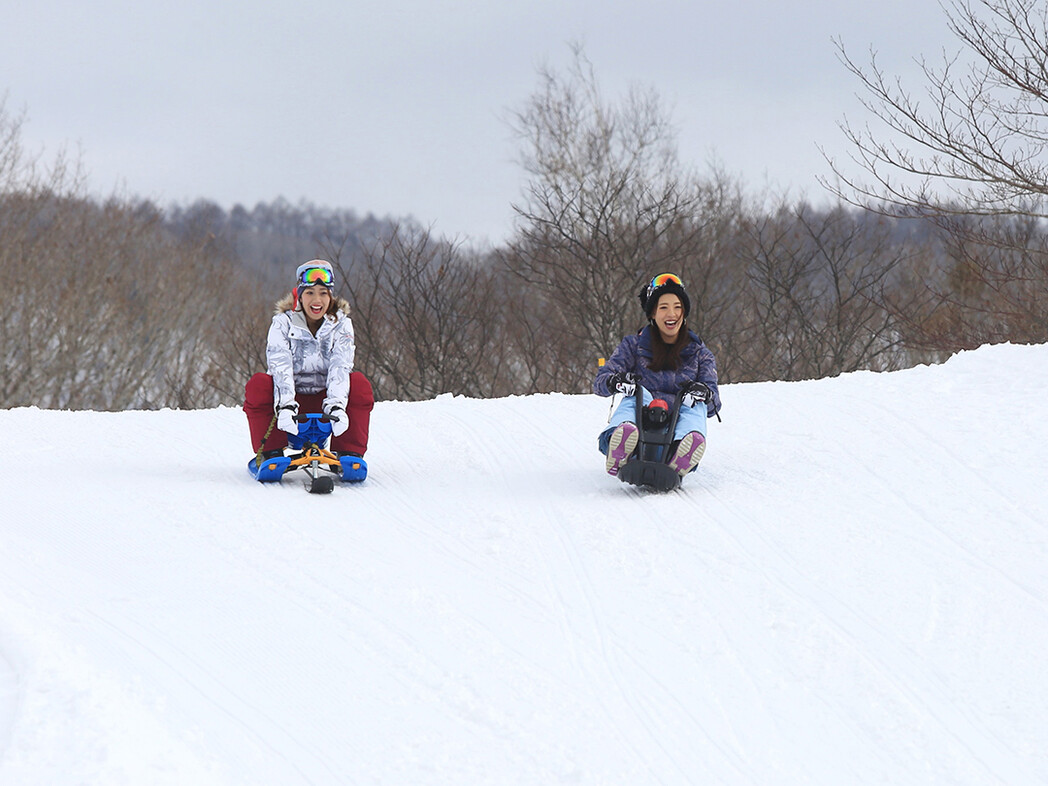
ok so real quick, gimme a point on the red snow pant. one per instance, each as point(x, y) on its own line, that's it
point(258, 406)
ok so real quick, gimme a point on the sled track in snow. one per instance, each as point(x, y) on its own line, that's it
point(843, 593)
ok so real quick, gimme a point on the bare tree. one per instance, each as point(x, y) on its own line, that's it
point(121, 315)
point(969, 153)
point(606, 207)
point(817, 304)
point(100, 307)
point(427, 317)
point(986, 282)
point(973, 142)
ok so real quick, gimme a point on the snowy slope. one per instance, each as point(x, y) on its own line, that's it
point(852, 589)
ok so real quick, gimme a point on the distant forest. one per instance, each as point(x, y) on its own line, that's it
point(120, 303)
point(123, 305)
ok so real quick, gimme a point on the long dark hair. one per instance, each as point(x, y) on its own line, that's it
point(666, 357)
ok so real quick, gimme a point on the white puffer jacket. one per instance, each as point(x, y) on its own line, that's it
point(299, 361)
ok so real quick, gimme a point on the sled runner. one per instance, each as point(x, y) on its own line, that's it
point(311, 455)
point(649, 465)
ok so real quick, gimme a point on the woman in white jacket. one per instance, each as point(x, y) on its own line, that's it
point(309, 353)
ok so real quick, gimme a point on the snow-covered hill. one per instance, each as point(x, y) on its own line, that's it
point(852, 589)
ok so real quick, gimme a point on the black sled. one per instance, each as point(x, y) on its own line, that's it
point(649, 465)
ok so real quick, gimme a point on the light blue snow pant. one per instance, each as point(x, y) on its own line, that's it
point(690, 419)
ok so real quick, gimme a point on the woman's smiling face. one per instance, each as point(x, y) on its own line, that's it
point(669, 317)
point(315, 302)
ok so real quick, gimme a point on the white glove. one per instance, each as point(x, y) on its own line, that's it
point(339, 421)
point(286, 418)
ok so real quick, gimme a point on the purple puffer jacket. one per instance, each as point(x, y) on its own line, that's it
point(634, 354)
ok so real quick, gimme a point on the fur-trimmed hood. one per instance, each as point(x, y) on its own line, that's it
point(287, 302)
point(302, 360)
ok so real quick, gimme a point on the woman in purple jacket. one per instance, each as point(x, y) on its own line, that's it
point(664, 358)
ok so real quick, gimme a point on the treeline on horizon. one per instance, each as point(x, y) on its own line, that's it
point(118, 303)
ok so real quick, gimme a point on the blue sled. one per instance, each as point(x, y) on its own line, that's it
point(354, 469)
point(312, 430)
point(320, 463)
point(271, 470)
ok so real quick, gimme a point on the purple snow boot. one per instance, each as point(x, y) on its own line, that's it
point(621, 445)
point(689, 453)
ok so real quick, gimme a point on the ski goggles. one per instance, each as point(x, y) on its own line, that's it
point(661, 280)
point(315, 277)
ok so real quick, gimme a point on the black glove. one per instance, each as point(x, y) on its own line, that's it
point(696, 391)
point(623, 382)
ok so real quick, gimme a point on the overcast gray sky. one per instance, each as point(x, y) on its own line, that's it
point(398, 107)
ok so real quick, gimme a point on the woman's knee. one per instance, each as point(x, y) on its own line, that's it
point(360, 392)
point(259, 389)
